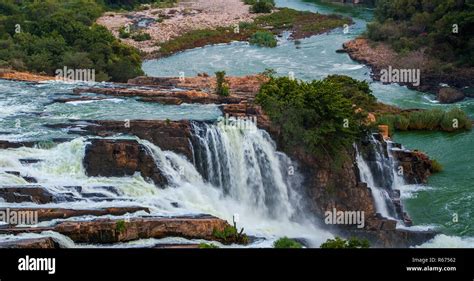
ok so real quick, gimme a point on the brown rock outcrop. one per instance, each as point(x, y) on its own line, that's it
point(116, 158)
point(32, 243)
point(106, 231)
point(46, 214)
point(416, 165)
point(19, 194)
point(449, 95)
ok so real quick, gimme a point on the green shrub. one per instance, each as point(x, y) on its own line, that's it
point(141, 36)
point(230, 235)
point(339, 243)
point(401, 123)
point(222, 87)
point(208, 246)
point(120, 226)
point(436, 167)
point(124, 33)
point(262, 6)
point(286, 242)
point(263, 39)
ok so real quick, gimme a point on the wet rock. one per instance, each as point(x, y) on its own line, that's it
point(20, 194)
point(168, 135)
point(163, 96)
point(30, 179)
point(27, 161)
point(449, 95)
point(175, 204)
point(8, 144)
point(416, 165)
point(32, 243)
point(163, 100)
point(118, 158)
point(106, 231)
point(398, 238)
point(47, 214)
point(111, 189)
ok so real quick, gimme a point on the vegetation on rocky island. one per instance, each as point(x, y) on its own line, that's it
point(442, 28)
point(301, 23)
point(323, 116)
point(260, 6)
point(222, 88)
point(263, 39)
point(339, 243)
point(230, 235)
point(45, 36)
point(287, 243)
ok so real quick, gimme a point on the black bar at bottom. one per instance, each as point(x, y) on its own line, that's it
point(243, 264)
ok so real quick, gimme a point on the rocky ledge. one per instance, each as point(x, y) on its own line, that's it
point(118, 158)
point(108, 231)
point(47, 214)
point(31, 243)
point(380, 56)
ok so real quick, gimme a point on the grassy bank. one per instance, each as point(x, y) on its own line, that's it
point(428, 120)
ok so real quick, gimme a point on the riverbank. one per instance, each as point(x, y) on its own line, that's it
point(435, 77)
point(14, 75)
point(199, 23)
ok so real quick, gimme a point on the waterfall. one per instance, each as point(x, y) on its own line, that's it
point(379, 171)
point(244, 175)
point(238, 171)
point(244, 164)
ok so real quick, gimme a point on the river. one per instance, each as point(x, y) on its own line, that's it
point(266, 201)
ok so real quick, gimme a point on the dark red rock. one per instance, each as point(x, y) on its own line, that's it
point(19, 194)
point(118, 158)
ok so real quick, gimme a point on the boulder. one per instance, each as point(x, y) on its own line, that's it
point(449, 95)
point(31, 243)
point(118, 158)
point(168, 135)
point(416, 165)
point(20, 194)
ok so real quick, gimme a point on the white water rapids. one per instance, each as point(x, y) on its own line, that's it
point(254, 182)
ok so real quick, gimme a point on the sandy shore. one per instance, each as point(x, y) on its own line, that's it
point(187, 15)
point(23, 76)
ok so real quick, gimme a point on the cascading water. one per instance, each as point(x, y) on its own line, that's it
point(379, 171)
point(263, 191)
point(244, 164)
